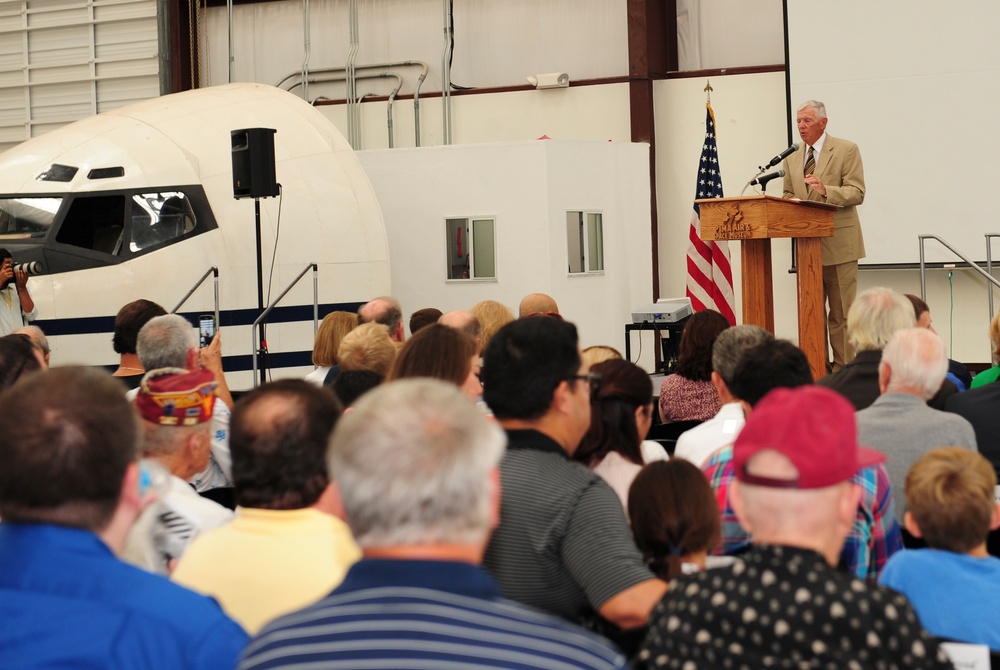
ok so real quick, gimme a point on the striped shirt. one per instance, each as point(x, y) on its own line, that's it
point(390, 614)
point(563, 544)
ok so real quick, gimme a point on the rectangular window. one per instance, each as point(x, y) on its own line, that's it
point(471, 248)
point(584, 242)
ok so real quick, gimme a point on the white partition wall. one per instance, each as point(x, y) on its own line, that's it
point(527, 188)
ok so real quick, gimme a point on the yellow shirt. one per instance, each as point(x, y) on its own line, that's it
point(267, 563)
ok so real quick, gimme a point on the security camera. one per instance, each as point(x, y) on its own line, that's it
point(549, 80)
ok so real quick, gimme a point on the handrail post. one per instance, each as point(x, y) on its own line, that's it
point(215, 272)
point(315, 300)
point(923, 269)
point(263, 315)
point(989, 267)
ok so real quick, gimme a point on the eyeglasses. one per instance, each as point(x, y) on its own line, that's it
point(593, 377)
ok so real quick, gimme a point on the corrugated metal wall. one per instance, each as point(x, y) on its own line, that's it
point(62, 60)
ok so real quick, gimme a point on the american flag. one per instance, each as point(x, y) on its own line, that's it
point(710, 277)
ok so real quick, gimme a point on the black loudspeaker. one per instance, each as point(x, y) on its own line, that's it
point(253, 163)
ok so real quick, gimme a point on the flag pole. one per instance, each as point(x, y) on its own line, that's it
point(709, 276)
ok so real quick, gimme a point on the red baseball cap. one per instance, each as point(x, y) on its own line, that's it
point(811, 426)
point(176, 397)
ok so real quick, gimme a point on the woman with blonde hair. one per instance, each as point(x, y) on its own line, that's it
point(598, 354)
point(492, 316)
point(331, 331)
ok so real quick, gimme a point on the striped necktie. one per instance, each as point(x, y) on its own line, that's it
point(810, 165)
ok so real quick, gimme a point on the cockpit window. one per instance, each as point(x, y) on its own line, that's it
point(75, 231)
point(95, 223)
point(27, 218)
point(160, 217)
point(98, 222)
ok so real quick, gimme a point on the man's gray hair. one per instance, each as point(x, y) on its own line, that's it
point(817, 106)
point(875, 317)
point(37, 337)
point(917, 360)
point(159, 441)
point(731, 344)
point(412, 463)
point(384, 309)
point(164, 342)
point(464, 322)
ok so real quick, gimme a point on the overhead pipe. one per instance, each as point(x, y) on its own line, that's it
point(317, 78)
point(416, 108)
point(229, 9)
point(353, 121)
point(306, 48)
point(446, 74)
point(373, 66)
point(392, 97)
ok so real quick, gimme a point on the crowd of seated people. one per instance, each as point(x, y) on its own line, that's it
point(479, 493)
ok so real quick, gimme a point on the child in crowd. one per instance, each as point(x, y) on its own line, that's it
point(954, 585)
point(675, 520)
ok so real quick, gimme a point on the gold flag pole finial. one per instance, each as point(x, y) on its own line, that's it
point(708, 91)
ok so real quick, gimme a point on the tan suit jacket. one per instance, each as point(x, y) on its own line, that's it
point(839, 168)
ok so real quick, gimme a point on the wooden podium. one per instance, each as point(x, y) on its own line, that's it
point(754, 221)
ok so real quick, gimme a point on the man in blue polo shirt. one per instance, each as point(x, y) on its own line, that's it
point(70, 489)
point(416, 467)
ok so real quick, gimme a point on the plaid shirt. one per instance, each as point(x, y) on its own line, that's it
point(720, 471)
point(874, 535)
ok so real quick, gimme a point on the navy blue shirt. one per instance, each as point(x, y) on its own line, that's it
point(395, 614)
point(67, 602)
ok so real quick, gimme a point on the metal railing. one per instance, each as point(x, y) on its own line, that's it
point(263, 315)
point(214, 271)
point(985, 274)
point(971, 263)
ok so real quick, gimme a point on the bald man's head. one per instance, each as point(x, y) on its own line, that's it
point(535, 303)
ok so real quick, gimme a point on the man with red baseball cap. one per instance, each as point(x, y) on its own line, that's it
point(784, 602)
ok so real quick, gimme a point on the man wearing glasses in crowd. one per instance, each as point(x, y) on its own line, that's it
point(563, 544)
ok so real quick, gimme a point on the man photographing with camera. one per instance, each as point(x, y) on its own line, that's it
point(17, 308)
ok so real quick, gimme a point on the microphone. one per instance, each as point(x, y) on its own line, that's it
point(782, 156)
point(768, 177)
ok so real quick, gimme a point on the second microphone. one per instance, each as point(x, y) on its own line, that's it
point(763, 179)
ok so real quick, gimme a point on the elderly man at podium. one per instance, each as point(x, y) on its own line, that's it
point(828, 169)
